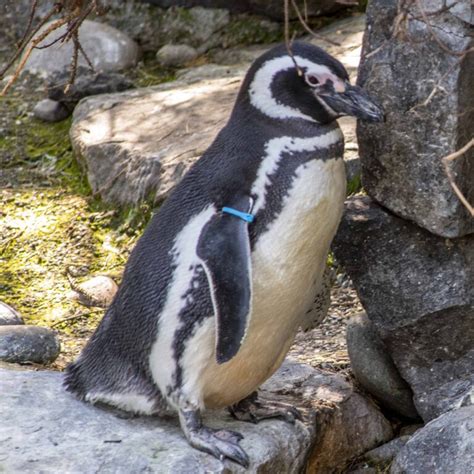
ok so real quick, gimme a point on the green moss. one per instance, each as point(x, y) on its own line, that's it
point(150, 73)
point(354, 185)
point(49, 146)
point(49, 223)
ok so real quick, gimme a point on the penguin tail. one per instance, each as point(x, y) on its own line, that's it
point(73, 381)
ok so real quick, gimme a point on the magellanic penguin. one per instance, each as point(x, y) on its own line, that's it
point(215, 289)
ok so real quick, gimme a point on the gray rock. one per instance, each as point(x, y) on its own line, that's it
point(21, 344)
point(87, 83)
point(374, 368)
point(203, 28)
point(408, 430)
point(9, 316)
point(386, 453)
point(51, 111)
point(138, 159)
point(401, 158)
point(96, 291)
point(446, 445)
point(272, 8)
point(194, 26)
point(139, 20)
point(107, 48)
point(417, 290)
point(45, 429)
point(175, 55)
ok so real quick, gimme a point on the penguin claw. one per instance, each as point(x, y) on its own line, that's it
point(253, 410)
point(229, 435)
point(222, 444)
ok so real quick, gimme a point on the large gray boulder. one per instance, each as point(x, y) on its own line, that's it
point(417, 289)
point(429, 104)
point(107, 48)
point(145, 140)
point(446, 445)
point(44, 429)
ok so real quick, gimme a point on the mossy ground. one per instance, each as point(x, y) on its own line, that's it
point(50, 223)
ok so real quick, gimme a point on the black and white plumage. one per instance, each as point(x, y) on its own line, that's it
point(209, 304)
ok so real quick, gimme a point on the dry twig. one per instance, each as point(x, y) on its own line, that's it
point(446, 160)
point(73, 13)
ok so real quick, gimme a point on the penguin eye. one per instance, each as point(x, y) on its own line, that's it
point(312, 80)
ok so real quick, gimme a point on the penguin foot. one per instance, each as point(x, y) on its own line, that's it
point(223, 444)
point(254, 410)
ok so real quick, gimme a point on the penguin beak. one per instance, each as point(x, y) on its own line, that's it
point(353, 101)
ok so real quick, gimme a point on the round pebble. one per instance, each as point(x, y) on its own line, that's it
point(21, 344)
point(96, 291)
point(50, 111)
point(8, 316)
point(174, 55)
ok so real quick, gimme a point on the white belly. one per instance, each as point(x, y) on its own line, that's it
point(287, 264)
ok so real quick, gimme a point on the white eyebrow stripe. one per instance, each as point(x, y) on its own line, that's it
point(260, 91)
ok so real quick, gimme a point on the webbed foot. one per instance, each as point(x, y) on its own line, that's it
point(220, 443)
point(254, 410)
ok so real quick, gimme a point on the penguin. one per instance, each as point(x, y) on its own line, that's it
point(215, 289)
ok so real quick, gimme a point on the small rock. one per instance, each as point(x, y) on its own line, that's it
point(107, 48)
point(20, 344)
point(87, 83)
point(384, 454)
point(374, 368)
point(51, 111)
point(445, 445)
point(175, 55)
point(410, 429)
point(97, 291)
point(9, 316)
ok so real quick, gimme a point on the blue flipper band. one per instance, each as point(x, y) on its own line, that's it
point(242, 215)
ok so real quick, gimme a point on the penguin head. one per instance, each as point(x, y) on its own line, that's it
point(311, 85)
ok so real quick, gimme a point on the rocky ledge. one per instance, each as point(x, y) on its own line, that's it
point(44, 429)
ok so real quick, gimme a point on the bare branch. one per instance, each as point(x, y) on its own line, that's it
point(54, 26)
point(73, 13)
point(445, 160)
point(308, 28)
point(435, 36)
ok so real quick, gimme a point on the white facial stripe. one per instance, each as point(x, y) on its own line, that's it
point(261, 93)
point(274, 150)
point(162, 360)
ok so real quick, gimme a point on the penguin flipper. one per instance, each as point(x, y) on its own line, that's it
point(224, 248)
